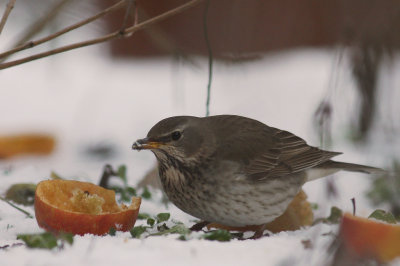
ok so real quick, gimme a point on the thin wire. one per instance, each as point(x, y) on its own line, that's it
point(210, 58)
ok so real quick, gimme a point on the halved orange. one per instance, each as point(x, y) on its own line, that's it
point(368, 238)
point(14, 145)
point(81, 208)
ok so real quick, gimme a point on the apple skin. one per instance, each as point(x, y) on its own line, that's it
point(55, 219)
point(369, 238)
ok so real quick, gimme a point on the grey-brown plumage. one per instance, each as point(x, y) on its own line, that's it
point(234, 170)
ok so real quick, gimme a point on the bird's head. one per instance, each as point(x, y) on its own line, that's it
point(181, 137)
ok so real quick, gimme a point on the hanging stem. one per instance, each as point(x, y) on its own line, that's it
point(210, 58)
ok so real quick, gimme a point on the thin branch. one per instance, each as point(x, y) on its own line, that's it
point(39, 25)
point(6, 13)
point(16, 207)
point(126, 32)
point(161, 17)
point(63, 31)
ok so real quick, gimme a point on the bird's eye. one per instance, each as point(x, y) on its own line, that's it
point(176, 135)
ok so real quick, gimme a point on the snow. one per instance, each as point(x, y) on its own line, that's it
point(83, 97)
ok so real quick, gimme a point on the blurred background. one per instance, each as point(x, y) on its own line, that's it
point(324, 70)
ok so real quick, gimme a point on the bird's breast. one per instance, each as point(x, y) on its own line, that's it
point(172, 178)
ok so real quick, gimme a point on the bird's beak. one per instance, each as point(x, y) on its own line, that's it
point(146, 144)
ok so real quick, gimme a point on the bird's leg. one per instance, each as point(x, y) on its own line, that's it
point(198, 226)
point(259, 232)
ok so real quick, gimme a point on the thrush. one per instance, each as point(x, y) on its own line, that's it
point(234, 170)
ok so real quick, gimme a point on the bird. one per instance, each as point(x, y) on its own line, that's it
point(233, 170)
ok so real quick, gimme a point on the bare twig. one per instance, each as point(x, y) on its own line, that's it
point(7, 12)
point(16, 207)
point(38, 25)
point(126, 32)
point(161, 17)
point(63, 31)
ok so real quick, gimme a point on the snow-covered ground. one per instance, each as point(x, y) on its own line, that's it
point(85, 98)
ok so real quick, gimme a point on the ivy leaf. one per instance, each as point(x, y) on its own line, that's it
point(382, 215)
point(22, 193)
point(67, 237)
point(146, 193)
point(137, 231)
point(131, 191)
point(163, 217)
point(183, 238)
point(54, 175)
point(45, 240)
point(143, 216)
point(150, 221)
point(218, 235)
point(121, 172)
point(176, 229)
point(162, 228)
point(335, 216)
point(118, 190)
point(112, 231)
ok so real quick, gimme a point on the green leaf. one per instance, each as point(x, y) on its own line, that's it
point(146, 193)
point(162, 228)
point(179, 229)
point(121, 172)
point(386, 189)
point(183, 238)
point(382, 215)
point(238, 235)
point(112, 231)
point(218, 235)
point(335, 216)
point(150, 221)
point(143, 216)
point(54, 175)
point(22, 193)
point(68, 237)
point(162, 217)
point(118, 190)
point(176, 229)
point(125, 196)
point(137, 231)
point(44, 240)
point(131, 191)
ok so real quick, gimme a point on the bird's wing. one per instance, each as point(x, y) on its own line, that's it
point(292, 154)
point(264, 151)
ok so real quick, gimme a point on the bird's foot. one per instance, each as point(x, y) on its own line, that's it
point(198, 226)
point(259, 232)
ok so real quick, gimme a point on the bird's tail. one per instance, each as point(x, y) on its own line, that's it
point(352, 167)
point(331, 167)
